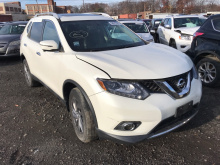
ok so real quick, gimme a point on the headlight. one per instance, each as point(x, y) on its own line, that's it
point(124, 88)
point(185, 37)
point(15, 42)
point(195, 72)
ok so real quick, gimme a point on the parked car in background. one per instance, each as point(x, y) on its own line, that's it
point(10, 38)
point(147, 21)
point(153, 28)
point(177, 31)
point(205, 51)
point(121, 89)
point(140, 28)
point(1, 24)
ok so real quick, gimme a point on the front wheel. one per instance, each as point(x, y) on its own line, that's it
point(81, 116)
point(28, 77)
point(209, 71)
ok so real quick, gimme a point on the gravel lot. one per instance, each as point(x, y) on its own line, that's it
point(35, 129)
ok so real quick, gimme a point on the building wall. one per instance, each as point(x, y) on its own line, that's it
point(10, 8)
point(33, 9)
point(5, 18)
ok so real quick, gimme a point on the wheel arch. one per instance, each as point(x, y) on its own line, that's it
point(202, 55)
point(171, 39)
point(68, 85)
point(22, 57)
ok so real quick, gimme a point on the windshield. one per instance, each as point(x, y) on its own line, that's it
point(187, 22)
point(139, 27)
point(99, 35)
point(12, 29)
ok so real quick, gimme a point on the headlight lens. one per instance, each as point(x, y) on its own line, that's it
point(122, 88)
point(195, 72)
point(185, 37)
point(15, 42)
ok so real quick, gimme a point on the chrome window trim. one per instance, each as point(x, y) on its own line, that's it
point(214, 26)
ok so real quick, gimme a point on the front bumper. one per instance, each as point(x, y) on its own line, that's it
point(183, 45)
point(13, 50)
point(111, 110)
point(162, 128)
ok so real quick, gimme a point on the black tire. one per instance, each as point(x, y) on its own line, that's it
point(211, 76)
point(157, 38)
point(81, 116)
point(28, 77)
point(173, 44)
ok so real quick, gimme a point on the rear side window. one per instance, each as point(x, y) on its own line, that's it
point(216, 24)
point(36, 31)
point(50, 32)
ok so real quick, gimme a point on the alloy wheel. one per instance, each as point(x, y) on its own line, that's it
point(78, 119)
point(207, 72)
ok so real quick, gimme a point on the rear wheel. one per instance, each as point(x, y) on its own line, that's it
point(81, 116)
point(209, 71)
point(28, 77)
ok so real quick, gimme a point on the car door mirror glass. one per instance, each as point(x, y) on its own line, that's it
point(49, 45)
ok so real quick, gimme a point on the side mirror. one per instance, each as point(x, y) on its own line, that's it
point(49, 45)
point(167, 26)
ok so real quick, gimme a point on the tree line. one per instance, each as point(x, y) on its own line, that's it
point(161, 6)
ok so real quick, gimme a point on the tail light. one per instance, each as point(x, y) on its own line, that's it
point(196, 34)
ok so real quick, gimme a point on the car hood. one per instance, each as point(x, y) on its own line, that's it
point(145, 36)
point(189, 31)
point(152, 61)
point(9, 38)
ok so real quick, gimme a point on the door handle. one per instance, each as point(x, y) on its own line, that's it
point(38, 53)
point(25, 45)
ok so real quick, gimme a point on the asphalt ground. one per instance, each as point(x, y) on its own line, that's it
point(35, 128)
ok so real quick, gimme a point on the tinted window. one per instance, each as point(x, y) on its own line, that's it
point(216, 24)
point(36, 31)
point(12, 29)
point(50, 33)
point(139, 27)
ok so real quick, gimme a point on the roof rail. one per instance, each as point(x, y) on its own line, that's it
point(48, 14)
point(98, 13)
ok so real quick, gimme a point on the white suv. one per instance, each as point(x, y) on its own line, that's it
point(122, 89)
point(177, 31)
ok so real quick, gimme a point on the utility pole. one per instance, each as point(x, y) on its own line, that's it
point(83, 6)
point(37, 6)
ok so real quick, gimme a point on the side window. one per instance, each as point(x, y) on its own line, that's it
point(216, 24)
point(163, 22)
point(29, 27)
point(36, 31)
point(169, 22)
point(50, 32)
point(166, 21)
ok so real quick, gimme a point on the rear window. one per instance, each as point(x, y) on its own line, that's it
point(216, 24)
point(36, 31)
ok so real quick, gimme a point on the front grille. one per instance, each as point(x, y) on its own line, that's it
point(151, 86)
point(172, 81)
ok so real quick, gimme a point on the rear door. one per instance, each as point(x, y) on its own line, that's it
point(32, 46)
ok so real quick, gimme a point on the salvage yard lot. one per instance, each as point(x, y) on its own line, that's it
point(35, 128)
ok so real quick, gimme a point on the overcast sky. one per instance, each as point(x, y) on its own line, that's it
point(61, 2)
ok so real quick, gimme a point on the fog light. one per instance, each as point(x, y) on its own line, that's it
point(127, 125)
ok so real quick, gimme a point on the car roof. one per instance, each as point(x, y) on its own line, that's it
point(16, 22)
point(75, 16)
point(136, 22)
point(181, 16)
